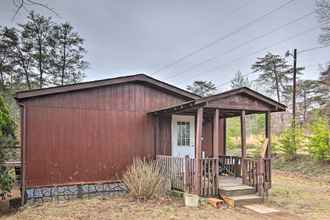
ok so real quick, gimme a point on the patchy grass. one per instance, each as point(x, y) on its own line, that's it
point(301, 190)
point(305, 166)
point(302, 187)
point(123, 208)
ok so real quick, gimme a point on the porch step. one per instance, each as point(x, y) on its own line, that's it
point(236, 190)
point(235, 201)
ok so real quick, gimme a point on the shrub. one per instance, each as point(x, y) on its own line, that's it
point(7, 138)
point(319, 139)
point(7, 179)
point(289, 141)
point(144, 180)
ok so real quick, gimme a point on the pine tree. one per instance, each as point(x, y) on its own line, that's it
point(276, 75)
point(324, 90)
point(323, 11)
point(36, 32)
point(240, 81)
point(67, 64)
point(6, 58)
point(307, 96)
point(202, 88)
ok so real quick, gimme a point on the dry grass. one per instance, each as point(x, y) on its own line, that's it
point(301, 195)
point(123, 208)
point(144, 180)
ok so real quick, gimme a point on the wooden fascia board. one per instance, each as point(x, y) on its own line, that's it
point(106, 82)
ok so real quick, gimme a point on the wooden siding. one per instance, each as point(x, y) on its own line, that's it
point(207, 144)
point(240, 102)
point(91, 135)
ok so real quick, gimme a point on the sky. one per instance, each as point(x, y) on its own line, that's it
point(143, 36)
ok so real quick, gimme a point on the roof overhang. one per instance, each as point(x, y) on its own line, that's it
point(141, 78)
point(232, 101)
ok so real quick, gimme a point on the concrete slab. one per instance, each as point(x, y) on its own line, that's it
point(262, 209)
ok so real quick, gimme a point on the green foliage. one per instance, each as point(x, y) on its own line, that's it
point(275, 75)
point(289, 141)
point(233, 133)
point(319, 139)
point(40, 53)
point(323, 11)
point(202, 88)
point(7, 179)
point(240, 81)
point(7, 137)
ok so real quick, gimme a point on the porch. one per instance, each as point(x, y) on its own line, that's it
point(209, 176)
point(195, 158)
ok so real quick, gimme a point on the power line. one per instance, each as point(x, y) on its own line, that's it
point(242, 44)
point(210, 44)
point(313, 48)
point(258, 51)
point(253, 72)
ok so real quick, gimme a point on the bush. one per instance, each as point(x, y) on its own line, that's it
point(144, 180)
point(319, 139)
point(7, 179)
point(7, 138)
point(289, 141)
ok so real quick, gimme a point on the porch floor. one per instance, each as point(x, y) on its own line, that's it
point(226, 181)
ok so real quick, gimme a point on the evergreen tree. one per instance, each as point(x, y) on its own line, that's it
point(323, 11)
point(307, 96)
point(6, 58)
point(240, 81)
point(40, 53)
point(67, 53)
point(324, 90)
point(276, 75)
point(202, 88)
point(36, 32)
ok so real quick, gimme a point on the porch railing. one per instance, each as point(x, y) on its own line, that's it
point(179, 170)
point(183, 174)
point(230, 165)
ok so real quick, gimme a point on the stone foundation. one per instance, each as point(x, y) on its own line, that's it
point(42, 194)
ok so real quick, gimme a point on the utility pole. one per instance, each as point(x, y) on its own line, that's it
point(294, 88)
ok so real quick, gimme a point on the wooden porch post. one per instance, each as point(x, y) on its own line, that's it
point(198, 149)
point(243, 145)
point(268, 133)
point(157, 136)
point(216, 144)
point(216, 133)
point(224, 136)
point(269, 151)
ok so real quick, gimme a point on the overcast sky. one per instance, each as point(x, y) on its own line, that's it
point(139, 36)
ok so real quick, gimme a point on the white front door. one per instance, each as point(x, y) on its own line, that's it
point(183, 136)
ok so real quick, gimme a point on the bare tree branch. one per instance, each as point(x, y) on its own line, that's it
point(25, 4)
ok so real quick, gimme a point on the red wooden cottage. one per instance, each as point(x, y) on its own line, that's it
point(79, 138)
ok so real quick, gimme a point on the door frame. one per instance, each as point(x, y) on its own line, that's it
point(192, 120)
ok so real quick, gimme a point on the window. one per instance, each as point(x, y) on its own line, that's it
point(183, 129)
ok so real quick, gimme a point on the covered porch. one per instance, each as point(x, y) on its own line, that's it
point(190, 143)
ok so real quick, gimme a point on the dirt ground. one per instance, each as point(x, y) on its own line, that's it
point(122, 208)
point(305, 196)
point(296, 196)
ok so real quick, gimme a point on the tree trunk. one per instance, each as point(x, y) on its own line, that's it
point(64, 63)
point(2, 81)
point(40, 65)
point(278, 90)
point(305, 105)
